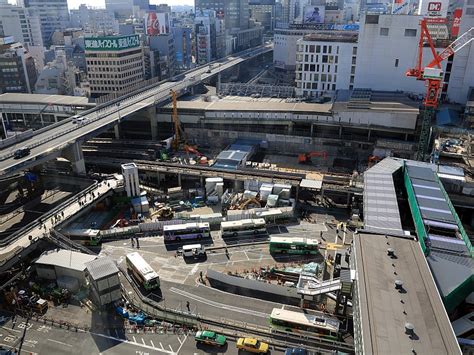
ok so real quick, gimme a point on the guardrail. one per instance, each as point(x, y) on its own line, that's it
point(97, 109)
point(30, 226)
point(280, 338)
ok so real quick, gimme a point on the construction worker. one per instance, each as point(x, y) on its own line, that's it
point(188, 306)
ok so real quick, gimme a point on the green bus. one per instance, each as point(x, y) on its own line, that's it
point(89, 237)
point(293, 245)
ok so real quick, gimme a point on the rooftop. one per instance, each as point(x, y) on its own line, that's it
point(101, 267)
point(332, 36)
point(62, 100)
point(384, 310)
point(66, 259)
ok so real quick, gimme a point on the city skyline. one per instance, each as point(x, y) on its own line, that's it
point(74, 4)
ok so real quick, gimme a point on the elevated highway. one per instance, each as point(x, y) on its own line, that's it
point(65, 138)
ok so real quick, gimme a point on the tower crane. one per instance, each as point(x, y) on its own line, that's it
point(432, 74)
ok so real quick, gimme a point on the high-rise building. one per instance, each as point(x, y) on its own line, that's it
point(234, 12)
point(94, 21)
point(53, 15)
point(205, 36)
point(114, 63)
point(325, 62)
point(57, 77)
point(121, 9)
point(183, 46)
point(263, 11)
point(17, 67)
point(23, 24)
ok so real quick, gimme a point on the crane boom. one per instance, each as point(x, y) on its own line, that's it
point(454, 47)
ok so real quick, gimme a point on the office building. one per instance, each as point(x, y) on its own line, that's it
point(17, 67)
point(164, 44)
point(53, 15)
point(57, 77)
point(121, 9)
point(461, 81)
point(183, 46)
point(114, 63)
point(387, 48)
point(263, 11)
point(325, 62)
point(234, 12)
point(94, 21)
point(21, 23)
point(205, 36)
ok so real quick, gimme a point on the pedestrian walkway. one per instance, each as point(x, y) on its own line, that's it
point(61, 213)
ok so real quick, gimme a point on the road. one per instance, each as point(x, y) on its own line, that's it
point(60, 137)
point(46, 339)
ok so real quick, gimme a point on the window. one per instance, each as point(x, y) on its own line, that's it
point(311, 48)
point(323, 77)
point(325, 49)
point(325, 58)
point(470, 11)
point(396, 63)
point(353, 60)
point(318, 49)
point(354, 50)
point(384, 31)
point(410, 32)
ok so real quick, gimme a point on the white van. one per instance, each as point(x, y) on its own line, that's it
point(78, 119)
point(193, 251)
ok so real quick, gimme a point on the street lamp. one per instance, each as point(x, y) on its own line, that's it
point(118, 105)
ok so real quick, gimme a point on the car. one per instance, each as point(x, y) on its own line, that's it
point(22, 152)
point(296, 351)
point(78, 120)
point(209, 337)
point(252, 345)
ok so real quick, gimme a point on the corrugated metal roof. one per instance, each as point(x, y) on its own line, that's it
point(101, 267)
point(66, 259)
point(311, 184)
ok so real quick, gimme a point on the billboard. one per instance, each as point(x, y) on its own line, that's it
point(457, 14)
point(157, 23)
point(313, 14)
point(434, 8)
point(111, 43)
point(401, 7)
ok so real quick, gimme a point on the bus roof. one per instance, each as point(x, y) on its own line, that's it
point(318, 320)
point(85, 232)
point(142, 266)
point(183, 226)
point(296, 240)
point(192, 246)
point(243, 222)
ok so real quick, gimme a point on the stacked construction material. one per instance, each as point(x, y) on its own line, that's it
point(214, 189)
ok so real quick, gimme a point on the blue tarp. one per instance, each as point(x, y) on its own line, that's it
point(448, 117)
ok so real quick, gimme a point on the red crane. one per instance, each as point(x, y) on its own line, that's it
point(432, 74)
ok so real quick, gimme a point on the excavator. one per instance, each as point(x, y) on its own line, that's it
point(180, 140)
point(305, 158)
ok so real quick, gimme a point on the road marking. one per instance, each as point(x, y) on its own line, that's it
point(12, 330)
point(143, 341)
point(26, 352)
point(60, 342)
point(194, 269)
point(151, 341)
point(130, 342)
point(217, 304)
point(134, 340)
point(170, 348)
point(185, 337)
point(161, 346)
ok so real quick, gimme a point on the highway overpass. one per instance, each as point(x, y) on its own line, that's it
point(65, 137)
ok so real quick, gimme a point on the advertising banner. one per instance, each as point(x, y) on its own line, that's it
point(313, 14)
point(434, 8)
point(457, 14)
point(157, 23)
point(111, 43)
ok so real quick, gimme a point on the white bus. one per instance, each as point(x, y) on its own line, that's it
point(88, 236)
point(325, 326)
point(244, 226)
point(186, 231)
point(142, 271)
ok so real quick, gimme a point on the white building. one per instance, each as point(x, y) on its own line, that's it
point(94, 21)
point(114, 63)
point(284, 46)
point(23, 24)
point(325, 62)
point(57, 77)
point(104, 281)
point(131, 179)
point(387, 48)
point(461, 80)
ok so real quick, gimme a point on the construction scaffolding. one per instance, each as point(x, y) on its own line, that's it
point(257, 90)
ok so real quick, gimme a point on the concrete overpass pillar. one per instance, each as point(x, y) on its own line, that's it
point(290, 128)
point(179, 179)
point(218, 86)
point(117, 131)
point(150, 113)
point(74, 154)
